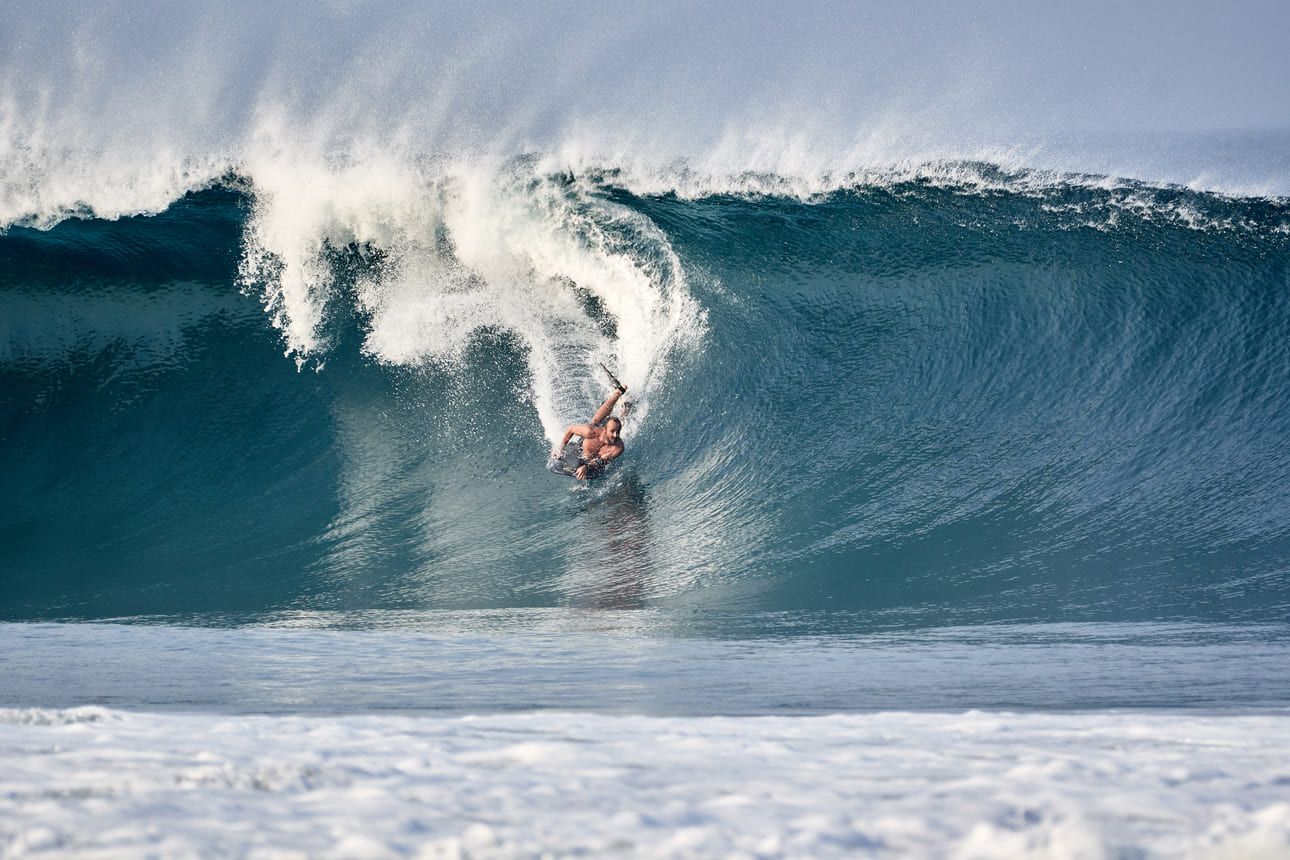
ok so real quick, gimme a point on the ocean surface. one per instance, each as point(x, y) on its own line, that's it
point(956, 397)
point(953, 521)
point(954, 518)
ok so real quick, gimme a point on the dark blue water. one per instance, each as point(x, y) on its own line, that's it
point(934, 403)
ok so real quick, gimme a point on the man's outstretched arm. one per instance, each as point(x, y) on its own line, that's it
point(608, 406)
point(574, 430)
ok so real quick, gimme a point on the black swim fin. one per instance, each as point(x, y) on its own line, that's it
point(622, 389)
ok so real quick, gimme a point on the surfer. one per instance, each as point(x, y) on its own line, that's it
point(601, 441)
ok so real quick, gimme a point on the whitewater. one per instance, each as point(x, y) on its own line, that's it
point(953, 519)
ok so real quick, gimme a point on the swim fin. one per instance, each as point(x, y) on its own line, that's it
point(622, 389)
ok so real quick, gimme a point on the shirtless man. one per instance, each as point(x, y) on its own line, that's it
point(600, 444)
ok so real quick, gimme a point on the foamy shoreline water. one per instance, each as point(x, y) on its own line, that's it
point(95, 782)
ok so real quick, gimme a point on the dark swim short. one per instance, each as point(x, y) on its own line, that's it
point(569, 461)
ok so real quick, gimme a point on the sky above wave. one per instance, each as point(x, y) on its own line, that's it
point(908, 78)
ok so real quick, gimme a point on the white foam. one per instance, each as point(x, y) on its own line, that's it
point(121, 111)
point(41, 187)
point(115, 784)
point(468, 248)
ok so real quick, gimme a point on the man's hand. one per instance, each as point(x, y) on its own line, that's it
point(581, 474)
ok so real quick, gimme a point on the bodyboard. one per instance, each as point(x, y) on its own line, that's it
point(568, 462)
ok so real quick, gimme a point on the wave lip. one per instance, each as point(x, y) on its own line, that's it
point(92, 120)
point(433, 259)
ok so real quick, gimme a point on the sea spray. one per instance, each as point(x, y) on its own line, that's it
point(449, 254)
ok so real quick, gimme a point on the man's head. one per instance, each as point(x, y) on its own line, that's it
point(612, 428)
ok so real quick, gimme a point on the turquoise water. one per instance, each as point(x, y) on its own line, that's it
point(929, 402)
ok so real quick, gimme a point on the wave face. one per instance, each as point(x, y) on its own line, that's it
point(952, 395)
